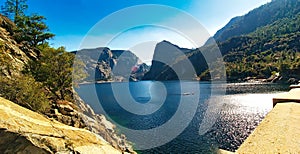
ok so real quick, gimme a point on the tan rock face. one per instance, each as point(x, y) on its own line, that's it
point(13, 56)
point(24, 131)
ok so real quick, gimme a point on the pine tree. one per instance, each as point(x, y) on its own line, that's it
point(32, 29)
point(14, 8)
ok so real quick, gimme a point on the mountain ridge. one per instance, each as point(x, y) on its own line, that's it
point(262, 45)
point(259, 17)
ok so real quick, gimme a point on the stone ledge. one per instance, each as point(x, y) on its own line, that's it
point(279, 132)
point(292, 96)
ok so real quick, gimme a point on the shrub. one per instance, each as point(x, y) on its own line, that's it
point(54, 70)
point(26, 92)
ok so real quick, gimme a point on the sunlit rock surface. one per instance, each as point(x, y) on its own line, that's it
point(24, 131)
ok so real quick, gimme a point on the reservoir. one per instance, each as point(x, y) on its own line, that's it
point(182, 116)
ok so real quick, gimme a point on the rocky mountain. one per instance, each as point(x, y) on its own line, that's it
point(261, 45)
point(171, 62)
point(103, 64)
point(269, 49)
point(259, 17)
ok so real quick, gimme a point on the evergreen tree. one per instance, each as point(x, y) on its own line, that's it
point(54, 70)
point(32, 29)
point(14, 8)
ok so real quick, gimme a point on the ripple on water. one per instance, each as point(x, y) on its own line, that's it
point(236, 120)
point(242, 109)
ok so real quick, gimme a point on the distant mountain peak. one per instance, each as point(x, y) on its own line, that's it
point(176, 46)
point(168, 42)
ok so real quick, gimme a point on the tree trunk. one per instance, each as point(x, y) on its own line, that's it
point(62, 94)
point(16, 10)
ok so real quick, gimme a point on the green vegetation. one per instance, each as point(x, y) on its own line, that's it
point(47, 77)
point(32, 29)
point(259, 17)
point(14, 9)
point(262, 43)
point(24, 90)
point(29, 29)
point(264, 51)
point(5, 65)
point(19, 88)
point(54, 70)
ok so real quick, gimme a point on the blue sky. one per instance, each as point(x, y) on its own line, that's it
point(71, 20)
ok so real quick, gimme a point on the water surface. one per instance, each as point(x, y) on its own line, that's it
point(232, 115)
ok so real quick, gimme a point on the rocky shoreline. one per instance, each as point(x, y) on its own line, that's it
point(82, 115)
point(273, 79)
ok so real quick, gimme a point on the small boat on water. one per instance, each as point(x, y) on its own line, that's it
point(188, 93)
point(184, 94)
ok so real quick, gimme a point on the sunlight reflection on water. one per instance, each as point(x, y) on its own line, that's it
point(242, 109)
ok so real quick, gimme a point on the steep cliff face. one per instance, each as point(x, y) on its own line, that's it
point(24, 131)
point(103, 64)
point(13, 56)
point(98, 61)
point(172, 63)
point(164, 57)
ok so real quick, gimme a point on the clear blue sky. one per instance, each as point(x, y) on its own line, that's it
point(70, 20)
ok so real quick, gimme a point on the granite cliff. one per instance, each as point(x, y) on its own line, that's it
point(171, 62)
point(13, 56)
point(103, 64)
